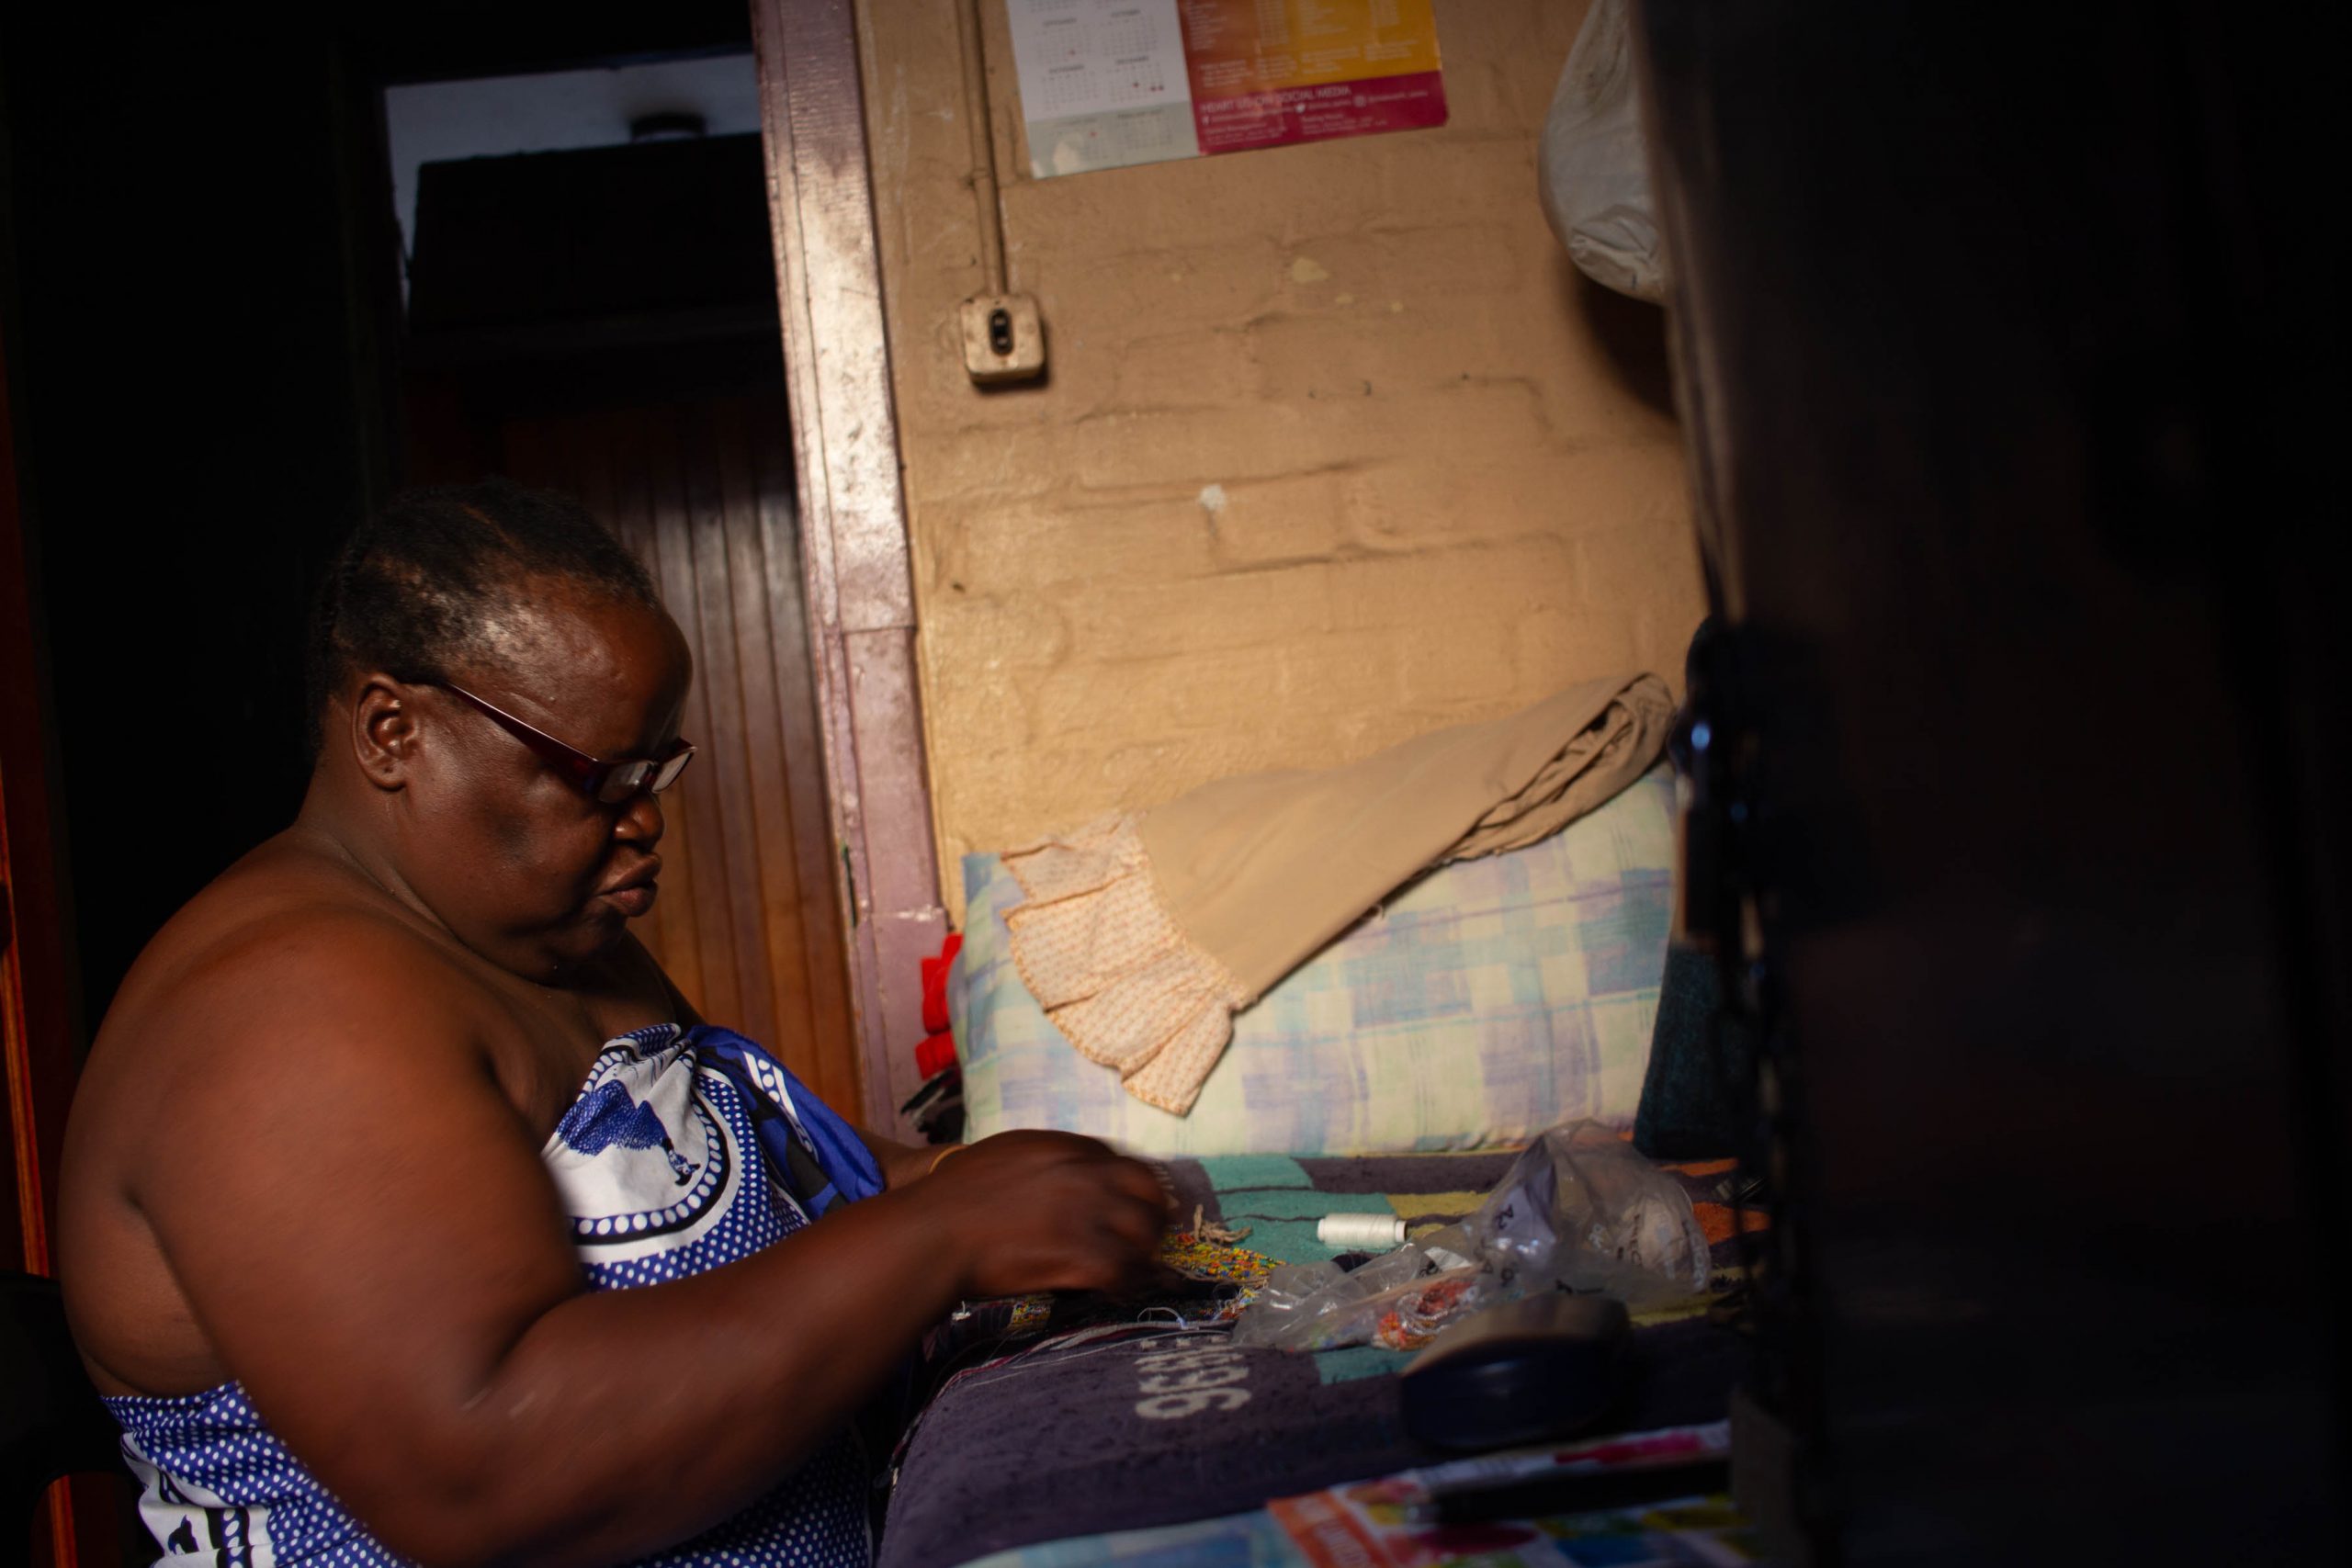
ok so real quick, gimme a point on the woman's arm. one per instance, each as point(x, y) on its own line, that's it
point(371, 1243)
point(905, 1163)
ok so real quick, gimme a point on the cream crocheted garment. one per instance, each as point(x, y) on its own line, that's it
point(1142, 934)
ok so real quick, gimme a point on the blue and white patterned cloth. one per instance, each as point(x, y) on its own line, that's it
point(685, 1149)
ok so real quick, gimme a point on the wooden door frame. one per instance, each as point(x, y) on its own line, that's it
point(853, 553)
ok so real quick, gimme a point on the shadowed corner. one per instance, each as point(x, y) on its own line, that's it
point(1631, 332)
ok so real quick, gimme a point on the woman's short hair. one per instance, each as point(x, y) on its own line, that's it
point(420, 588)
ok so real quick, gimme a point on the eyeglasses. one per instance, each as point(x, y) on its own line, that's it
point(607, 782)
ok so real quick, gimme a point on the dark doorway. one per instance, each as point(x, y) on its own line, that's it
point(212, 378)
point(602, 320)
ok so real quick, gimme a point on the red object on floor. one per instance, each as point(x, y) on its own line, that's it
point(936, 1056)
point(937, 1053)
point(934, 983)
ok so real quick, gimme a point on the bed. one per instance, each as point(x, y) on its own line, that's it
point(1123, 1435)
point(1397, 1070)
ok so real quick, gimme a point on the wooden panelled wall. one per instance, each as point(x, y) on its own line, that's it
point(747, 923)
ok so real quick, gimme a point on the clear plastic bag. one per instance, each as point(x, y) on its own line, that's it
point(1317, 1306)
point(1582, 1211)
point(1579, 1211)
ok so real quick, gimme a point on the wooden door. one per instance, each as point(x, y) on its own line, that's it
point(748, 921)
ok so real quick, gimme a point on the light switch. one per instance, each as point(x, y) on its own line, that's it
point(1004, 339)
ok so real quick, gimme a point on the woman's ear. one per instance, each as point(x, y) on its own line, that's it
point(385, 735)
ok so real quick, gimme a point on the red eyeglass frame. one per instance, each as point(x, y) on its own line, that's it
point(608, 783)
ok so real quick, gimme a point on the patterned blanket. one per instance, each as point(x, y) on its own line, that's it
point(1141, 1417)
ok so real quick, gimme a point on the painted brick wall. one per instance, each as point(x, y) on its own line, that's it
point(1335, 448)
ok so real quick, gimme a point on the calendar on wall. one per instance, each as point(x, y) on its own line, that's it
point(1106, 83)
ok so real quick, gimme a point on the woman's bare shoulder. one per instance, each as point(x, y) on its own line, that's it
point(284, 937)
point(280, 977)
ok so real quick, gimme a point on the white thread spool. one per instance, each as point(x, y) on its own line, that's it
point(1350, 1231)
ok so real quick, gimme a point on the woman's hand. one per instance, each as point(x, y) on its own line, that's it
point(1036, 1211)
